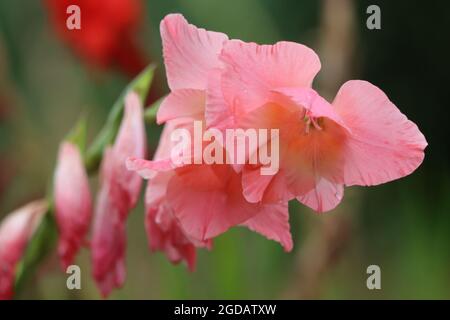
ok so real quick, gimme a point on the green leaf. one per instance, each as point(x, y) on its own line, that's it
point(78, 134)
point(151, 111)
point(141, 85)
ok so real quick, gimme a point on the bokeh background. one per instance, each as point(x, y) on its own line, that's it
point(403, 226)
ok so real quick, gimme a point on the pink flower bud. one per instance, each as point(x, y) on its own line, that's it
point(119, 192)
point(15, 232)
point(73, 202)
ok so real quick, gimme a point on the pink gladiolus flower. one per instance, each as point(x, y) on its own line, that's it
point(72, 201)
point(15, 232)
point(118, 194)
point(205, 200)
point(359, 139)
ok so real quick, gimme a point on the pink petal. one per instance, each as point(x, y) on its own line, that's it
point(325, 196)
point(218, 113)
point(73, 202)
point(277, 191)
point(130, 140)
point(182, 103)
point(252, 71)
point(162, 160)
point(108, 244)
point(169, 239)
point(15, 232)
point(207, 200)
point(273, 223)
point(384, 144)
point(125, 185)
point(163, 230)
point(148, 168)
point(189, 52)
point(165, 143)
point(119, 192)
point(254, 184)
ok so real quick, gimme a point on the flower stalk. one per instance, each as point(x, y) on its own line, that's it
point(45, 237)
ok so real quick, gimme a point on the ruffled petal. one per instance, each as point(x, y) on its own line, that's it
point(252, 71)
point(325, 196)
point(207, 200)
point(168, 237)
point(189, 52)
point(254, 184)
point(384, 144)
point(163, 230)
point(218, 113)
point(148, 168)
point(273, 223)
point(182, 103)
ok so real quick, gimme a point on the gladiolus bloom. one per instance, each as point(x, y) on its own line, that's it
point(15, 232)
point(72, 201)
point(118, 194)
point(359, 139)
point(206, 200)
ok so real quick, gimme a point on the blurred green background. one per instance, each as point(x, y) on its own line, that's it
point(402, 226)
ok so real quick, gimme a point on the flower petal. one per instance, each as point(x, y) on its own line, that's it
point(189, 52)
point(168, 237)
point(384, 144)
point(325, 196)
point(162, 159)
point(218, 113)
point(207, 200)
point(254, 184)
point(125, 185)
point(182, 103)
point(252, 71)
point(273, 223)
point(130, 140)
point(148, 168)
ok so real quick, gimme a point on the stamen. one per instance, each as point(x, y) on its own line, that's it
point(316, 125)
point(307, 125)
point(308, 120)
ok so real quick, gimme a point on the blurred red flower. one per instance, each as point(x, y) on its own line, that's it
point(106, 38)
